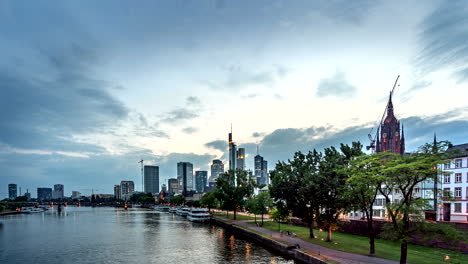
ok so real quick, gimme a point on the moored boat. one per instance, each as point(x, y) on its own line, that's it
point(198, 215)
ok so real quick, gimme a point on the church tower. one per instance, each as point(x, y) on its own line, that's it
point(390, 139)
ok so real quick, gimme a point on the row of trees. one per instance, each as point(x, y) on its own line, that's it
point(318, 187)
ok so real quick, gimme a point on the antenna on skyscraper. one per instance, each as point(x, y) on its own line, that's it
point(258, 152)
point(142, 181)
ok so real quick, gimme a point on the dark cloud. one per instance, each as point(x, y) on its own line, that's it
point(337, 86)
point(189, 130)
point(220, 145)
point(190, 111)
point(443, 39)
point(257, 134)
point(193, 100)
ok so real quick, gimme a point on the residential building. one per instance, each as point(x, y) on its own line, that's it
point(241, 158)
point(454, 184)
point(77, 195)
point(12, 191)
point(201, 178)
point(151, 179)
point(127, 188)
point(216, 168)
point(117, 192)
point(44, 194)
point(58, 192)
point(173, 186)
point(185, 177)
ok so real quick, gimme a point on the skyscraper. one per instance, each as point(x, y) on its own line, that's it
point(241, 158)
point(201, 178)
point(173, 186)
point(44, 194)
point(58, 192)
point(164, 188)
point(151, 174)
point(265, 172)
point(117, 192)
point(260, 169)
point(390, 139)
point(185, 177)
point(232, 152)
point(12, 191)
point(216, 168)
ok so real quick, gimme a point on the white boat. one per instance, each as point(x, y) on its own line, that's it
point(173, 210)
point(32, 210)
point(163, 208)
point(183, 211)
point(198, 215)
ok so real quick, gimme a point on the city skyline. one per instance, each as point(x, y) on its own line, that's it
point(84, 96)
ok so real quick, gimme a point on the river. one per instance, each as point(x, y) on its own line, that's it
point(112, 235)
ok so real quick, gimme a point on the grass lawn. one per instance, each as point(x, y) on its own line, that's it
point(384, 248)
point(238, 217)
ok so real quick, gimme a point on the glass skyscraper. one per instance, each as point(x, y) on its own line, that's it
point(151, 179)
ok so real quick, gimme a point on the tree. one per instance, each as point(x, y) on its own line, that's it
point(295, 188)
point(362, 189)
point(279, 215)
point(259, 204)
point(405, 173)
point(209, 200)
point(178, 200)
point(233, 188)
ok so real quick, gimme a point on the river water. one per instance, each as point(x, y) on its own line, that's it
point(112, 235)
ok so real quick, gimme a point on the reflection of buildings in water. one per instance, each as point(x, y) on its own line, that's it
point(231, 246)
point(273, 260)
point(247, 252)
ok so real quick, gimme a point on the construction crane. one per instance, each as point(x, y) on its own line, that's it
point(380, 121)
point(142, 181)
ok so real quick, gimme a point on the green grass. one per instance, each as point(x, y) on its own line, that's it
point(384, 248)
point(238, 217)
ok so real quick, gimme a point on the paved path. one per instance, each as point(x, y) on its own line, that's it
point(336, 255)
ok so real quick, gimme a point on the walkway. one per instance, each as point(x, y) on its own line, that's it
point(331, 254)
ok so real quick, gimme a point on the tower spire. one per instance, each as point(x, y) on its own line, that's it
point(258, 153)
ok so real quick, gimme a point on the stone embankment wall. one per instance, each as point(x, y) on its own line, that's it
point(284, 249)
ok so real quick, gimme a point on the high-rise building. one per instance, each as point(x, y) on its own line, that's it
point(77, 194)
point(241, 158)
point(390, 139)
point(265, 172)
point(58, 192)
point(12, 191)
point(44, 194)
point(27, 194)
point(185, 177)
point(216, 168)
point(126, 189)
point(117, 192)
point(232, 152)
point(151, 174)
point(164, 188)
point(260, 169)
point(173, 186)
point(201, 178)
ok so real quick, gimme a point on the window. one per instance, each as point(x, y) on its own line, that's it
point(379, 202)
point(446, 192)
point(458, 177)
point(446, 178)
point(447, 165)
point(467, 207)
point(458, 163)
point(416, 190)
point(458, 192)
point(457, 208)
point(398, 190)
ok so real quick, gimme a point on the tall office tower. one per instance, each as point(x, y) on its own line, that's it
point(201, 178)
point(12, 191)
point(151, 174)
point(185, 177)
point(77, 195)
point(390, 139)
point(58, 192)
point(232, 152)
point(117, 192)
point(241, 158)
point(265, 172)
point(44, 194)
point(27, 194)
point(216, 168)
point(126, 188)
point(173, 186)
point(258, 163)
point(164, 188)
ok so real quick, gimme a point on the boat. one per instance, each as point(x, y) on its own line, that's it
point(32, 210)
point(173, 210)
point(183, 211)
point(162, 208)
point(198, 215)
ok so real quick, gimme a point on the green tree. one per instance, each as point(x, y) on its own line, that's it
point(233, 188)
point(209, 200)
point(178, 200)
point(405, 173)
point(362, 189)
point(279, 215)
point(260, 204)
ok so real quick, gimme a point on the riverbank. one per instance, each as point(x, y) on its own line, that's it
point(307, 253)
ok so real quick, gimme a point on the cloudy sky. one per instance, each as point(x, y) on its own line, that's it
point(88, 88)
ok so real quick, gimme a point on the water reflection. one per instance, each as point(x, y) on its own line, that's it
point(109, 235)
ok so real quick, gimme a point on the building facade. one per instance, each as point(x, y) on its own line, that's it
point(241, 158)
point(232, 152)
point(117, 192)
point(151, 179)
point(201, 178)
point(216, 169)
point(390, 138)
point(127, 188)
point(185, 177)
point(77, 195)
point(12, 191)
point(58, 192)
point(44, 194)
point(173, 186)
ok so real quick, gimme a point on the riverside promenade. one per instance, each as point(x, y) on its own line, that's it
point(333, 256)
